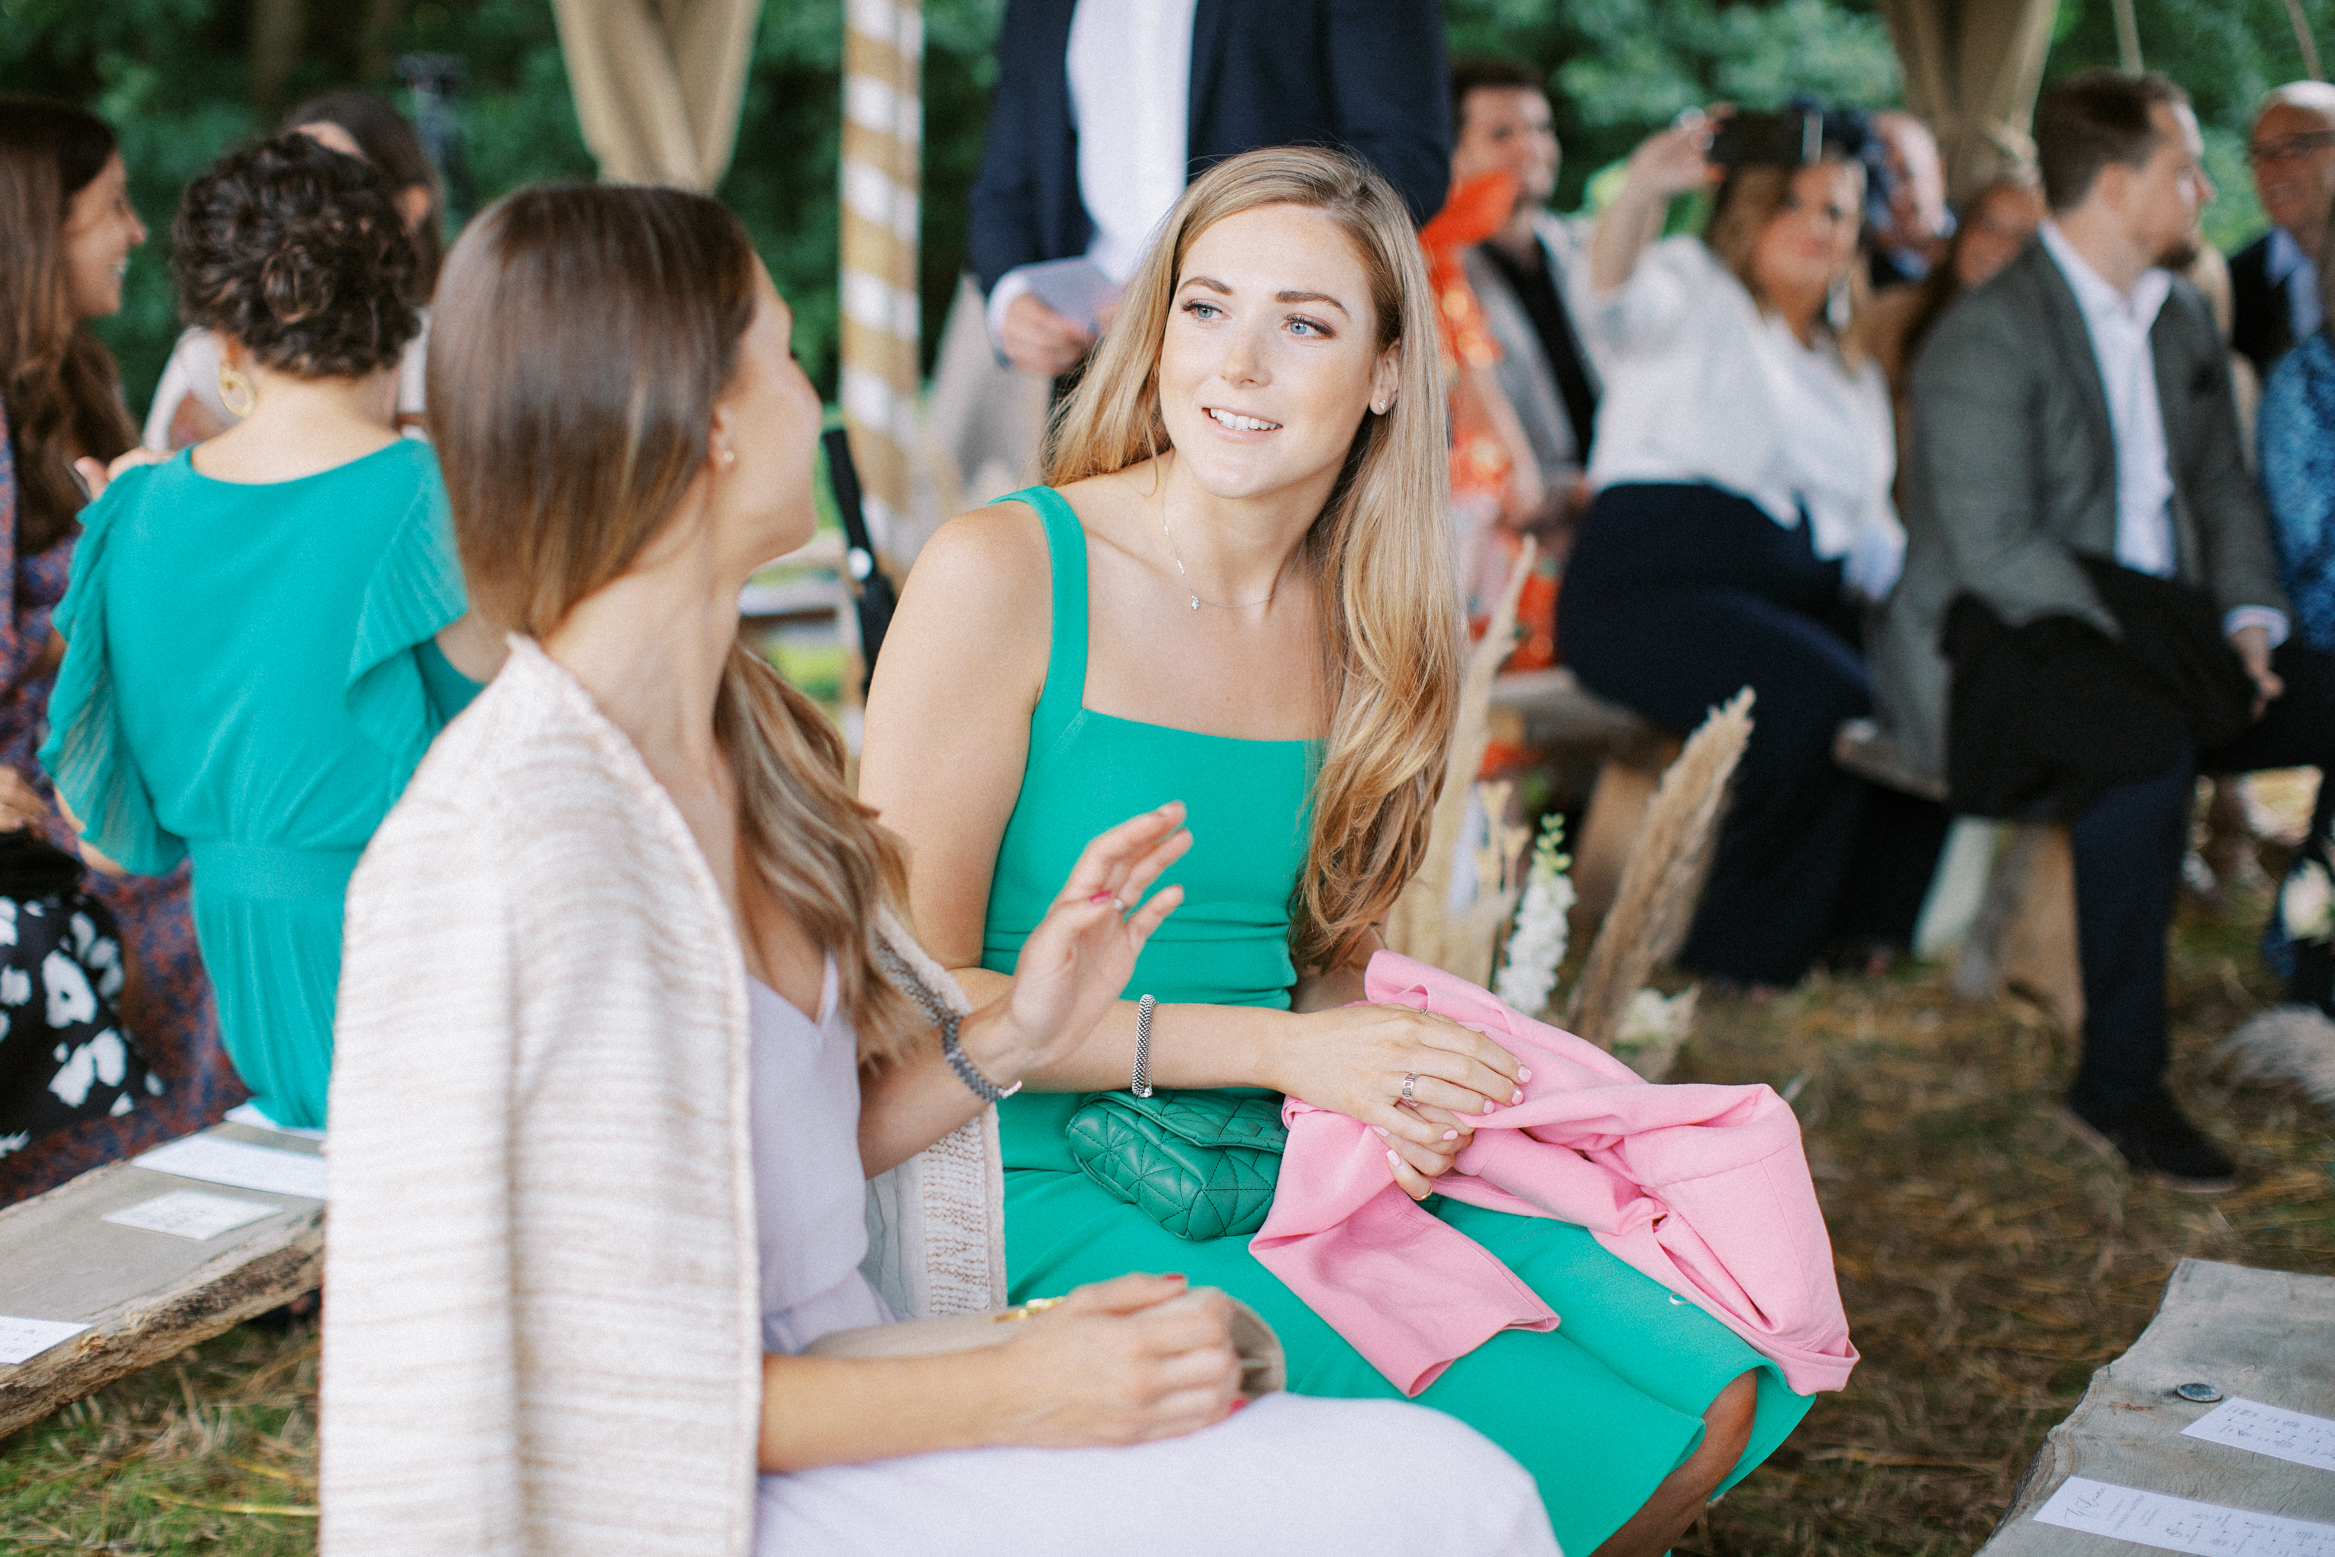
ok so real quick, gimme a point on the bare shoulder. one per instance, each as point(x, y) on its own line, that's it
point(986, 559)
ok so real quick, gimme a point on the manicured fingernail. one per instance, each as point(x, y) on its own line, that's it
point(1100, 897)
point(1517, 1096)
point(1394, 1160)
point(1451, 1135)
point(1523, 1073)
point(1175, 1275)
point(1381, 1129)
point(1238, 1401)
point(1489, 1105)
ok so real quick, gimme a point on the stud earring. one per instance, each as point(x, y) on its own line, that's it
point(727, 456)
point(236, 393)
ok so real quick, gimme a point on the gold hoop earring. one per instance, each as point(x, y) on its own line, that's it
point(233, 386)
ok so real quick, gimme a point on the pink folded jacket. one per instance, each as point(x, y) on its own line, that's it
point(1703, 1188)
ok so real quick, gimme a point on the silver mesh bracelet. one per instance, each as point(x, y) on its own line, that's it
point(904, 977)
point(1141, 1084)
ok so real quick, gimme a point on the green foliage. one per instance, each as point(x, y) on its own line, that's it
point(1618, 69)
point(174, 77)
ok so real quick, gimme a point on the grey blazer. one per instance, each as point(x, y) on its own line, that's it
point(2012, 470)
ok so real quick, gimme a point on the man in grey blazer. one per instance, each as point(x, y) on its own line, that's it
point(2079, 405)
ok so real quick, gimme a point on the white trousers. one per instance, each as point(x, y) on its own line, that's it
point(1289, 1475)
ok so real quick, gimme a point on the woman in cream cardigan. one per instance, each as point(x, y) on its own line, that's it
point(626, 1018)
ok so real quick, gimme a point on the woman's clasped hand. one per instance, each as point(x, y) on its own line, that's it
point(1355, 1060)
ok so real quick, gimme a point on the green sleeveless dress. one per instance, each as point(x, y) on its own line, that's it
point(1600, 1409)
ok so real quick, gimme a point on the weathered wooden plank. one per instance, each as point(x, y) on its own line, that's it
point(146, 1296)
point(2266, 1335)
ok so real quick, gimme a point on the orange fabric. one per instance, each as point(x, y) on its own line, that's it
point(1480, 462)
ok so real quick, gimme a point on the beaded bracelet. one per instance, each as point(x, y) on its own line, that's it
point(946, 1020)
point(1140, 1085)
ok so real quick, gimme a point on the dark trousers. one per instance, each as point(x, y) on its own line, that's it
point(2128, 849)
point(1673, 598)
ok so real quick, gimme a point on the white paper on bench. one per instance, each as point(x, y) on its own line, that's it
point(191, 1213)
point(2179, 1525)
point(249, 1114)
point(2271, 1430)
point(23, 1339)
point(241, 1164)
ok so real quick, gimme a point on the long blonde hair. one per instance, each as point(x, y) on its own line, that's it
point(1379, 553)
point(584, 336)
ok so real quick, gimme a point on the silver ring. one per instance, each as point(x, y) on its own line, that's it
point(1407, 1080)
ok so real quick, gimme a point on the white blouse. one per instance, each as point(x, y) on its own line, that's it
point(1704, 387)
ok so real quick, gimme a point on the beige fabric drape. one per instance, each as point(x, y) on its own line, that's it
point(658, 84)
point(1972, 70)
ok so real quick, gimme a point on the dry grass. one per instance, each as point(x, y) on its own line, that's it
point(212, 1452)
point(1988, 1259)
point(1990, 1262)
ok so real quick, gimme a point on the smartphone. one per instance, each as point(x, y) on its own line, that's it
point(1792, 138)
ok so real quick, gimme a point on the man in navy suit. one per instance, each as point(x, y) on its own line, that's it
point(2274, 281)
point(1105, 108)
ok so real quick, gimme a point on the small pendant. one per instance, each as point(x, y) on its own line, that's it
point(1195, 602)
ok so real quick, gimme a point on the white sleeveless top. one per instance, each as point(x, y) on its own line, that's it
point(810, 1194)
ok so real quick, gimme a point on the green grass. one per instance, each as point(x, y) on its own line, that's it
point(1989, 1263)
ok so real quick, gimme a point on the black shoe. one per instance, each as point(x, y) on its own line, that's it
point(2152, 1136)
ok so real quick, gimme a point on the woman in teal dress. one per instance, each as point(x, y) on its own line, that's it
point(1236, 592)
point(264, 632)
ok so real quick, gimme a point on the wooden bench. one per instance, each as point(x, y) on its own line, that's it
point(1602, 748)
point(145, 1296)
point(2266, 1336)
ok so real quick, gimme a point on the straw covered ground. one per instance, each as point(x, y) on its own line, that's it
point(1989, 1260)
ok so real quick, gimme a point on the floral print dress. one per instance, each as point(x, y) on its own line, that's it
point(167, 1006)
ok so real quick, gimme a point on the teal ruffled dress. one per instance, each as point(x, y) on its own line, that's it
point(249, 680)
point(1599, 1410)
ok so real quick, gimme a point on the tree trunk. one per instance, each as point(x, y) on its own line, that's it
point(276, 26)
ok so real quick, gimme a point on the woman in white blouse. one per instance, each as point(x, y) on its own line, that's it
point(1743, 462)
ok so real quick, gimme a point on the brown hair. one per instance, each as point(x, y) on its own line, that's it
point(585, 335)
point(297, 251)
point(57, 381)
point(1751, 196)
point(1379, 553)
point(1942, 288)
point(390, 144)
point(2091, 119)
point(1490, 73)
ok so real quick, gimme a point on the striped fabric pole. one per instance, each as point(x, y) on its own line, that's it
point(883, 133)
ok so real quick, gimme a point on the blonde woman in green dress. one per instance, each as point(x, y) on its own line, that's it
point(1236, 591)
point(264, 632)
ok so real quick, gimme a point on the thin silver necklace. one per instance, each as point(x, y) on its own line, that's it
point(1197, 602)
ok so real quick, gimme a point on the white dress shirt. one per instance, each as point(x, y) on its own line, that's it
point(1704, 387)
point(2118, 324)
point(1130, 67)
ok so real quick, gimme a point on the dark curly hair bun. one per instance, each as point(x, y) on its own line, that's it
point(297, 251)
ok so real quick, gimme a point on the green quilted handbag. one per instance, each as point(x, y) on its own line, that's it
point(1200, 1164)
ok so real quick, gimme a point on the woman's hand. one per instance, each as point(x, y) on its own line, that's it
point(1078, 960)
point(21, 805)
point(96, 475)
point(1354, 1061)
point(1121, 1362)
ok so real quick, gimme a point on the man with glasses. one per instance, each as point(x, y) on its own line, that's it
point(2275, 279)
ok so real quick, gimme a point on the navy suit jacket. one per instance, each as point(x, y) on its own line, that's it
point(1369, 76)
point(2261, 328)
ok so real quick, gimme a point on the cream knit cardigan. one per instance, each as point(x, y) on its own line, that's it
point(542, 1332)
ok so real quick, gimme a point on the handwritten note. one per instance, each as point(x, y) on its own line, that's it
point(2271, 1430)
point(191, 1213)
point(2179, 1525)
point(265, 1168)
point(24, 1339)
